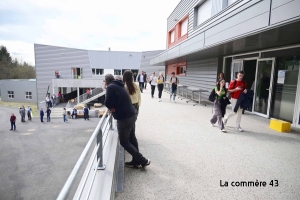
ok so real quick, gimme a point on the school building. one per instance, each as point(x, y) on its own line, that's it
point(260, 37)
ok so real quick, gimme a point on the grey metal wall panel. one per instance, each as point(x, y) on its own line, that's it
point(196, 42)
point(115, 59)
point(19, 87)
point(48, 59)
point(285, 12)
point(238, 30)
point(174, 52)
point(201, 74)
point(277, 3)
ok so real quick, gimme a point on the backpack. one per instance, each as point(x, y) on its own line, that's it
point(212, 96)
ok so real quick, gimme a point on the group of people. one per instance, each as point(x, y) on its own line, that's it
point(22, 112)
point(51, 100)
point(159, 82)
point(237, 90)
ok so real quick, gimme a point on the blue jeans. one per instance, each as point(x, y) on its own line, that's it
point(142, 86)
point(65, 118)
point(42, 118)
point(173, 92)
point(48, 118)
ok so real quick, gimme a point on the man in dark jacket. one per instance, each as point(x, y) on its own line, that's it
point(48, 111)
point(13, 122)
point(86, 113)
point(42, 115)
point(119, 103)
point(142, 78)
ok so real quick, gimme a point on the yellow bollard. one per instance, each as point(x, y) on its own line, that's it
point(279, 125)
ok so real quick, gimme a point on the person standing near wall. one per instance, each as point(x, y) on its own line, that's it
point(29, 113)
point(42, 115)
point(173, 86)
point(236, 87)
point(153, 82)
point(48, 111)
point(120, 105)
point(54, 100)
point(86, 113)
point(13, 122)
point(22, 113)
point(160, 85)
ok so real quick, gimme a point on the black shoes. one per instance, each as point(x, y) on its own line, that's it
point(146, 163)
point(132, 164)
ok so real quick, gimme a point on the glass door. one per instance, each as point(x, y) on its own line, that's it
point(263, 86)
point(237, 65)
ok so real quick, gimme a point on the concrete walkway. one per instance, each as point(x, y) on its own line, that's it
point(189, 158)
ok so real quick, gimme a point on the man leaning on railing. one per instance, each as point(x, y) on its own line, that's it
point(119, 103)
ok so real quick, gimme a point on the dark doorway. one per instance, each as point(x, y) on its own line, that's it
point(250, 71)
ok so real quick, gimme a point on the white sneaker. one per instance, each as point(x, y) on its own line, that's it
point(212, 124)
point(239, 128)
point(223, 130)
point(225, 121)
point(159, 100)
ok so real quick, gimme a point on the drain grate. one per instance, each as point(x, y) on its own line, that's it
point(120, 178)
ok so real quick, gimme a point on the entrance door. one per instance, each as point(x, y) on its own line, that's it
point(237, 65)
point(263, 86)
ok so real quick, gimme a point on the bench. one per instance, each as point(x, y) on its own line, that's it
point(194, 90)
point(182, 88)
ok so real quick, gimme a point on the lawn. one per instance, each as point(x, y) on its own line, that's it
point(17, 105)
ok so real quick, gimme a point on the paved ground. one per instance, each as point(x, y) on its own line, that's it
point(190, 158)
point(37, 158)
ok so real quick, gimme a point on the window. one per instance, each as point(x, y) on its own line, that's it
point(117, 72)
point(96, 71)
point(204, 12)
point(11, 94)
point(184, 27)
point(181, 70)
point(28, 95)
point(172, 36)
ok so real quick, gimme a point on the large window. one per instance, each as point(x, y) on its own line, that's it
point(11, 94)
point(28, 95)
point(184, 27)
point(210, 8)
point(118, 72)
point(204, 12)
point(172, 36)
point(96, 71)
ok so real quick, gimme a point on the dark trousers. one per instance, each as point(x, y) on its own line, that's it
point(42, 118)
point(152, 90)
point(13, 125)
point(126, 131)
point(29, 116)
point(141, 86)
point(145, 85)
point(23, 118)
point(86, 116)
point(48, 118)
point(160, 88)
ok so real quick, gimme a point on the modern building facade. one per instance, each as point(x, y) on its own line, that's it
point(19, 90)
point(261, 37)
point(67, 69)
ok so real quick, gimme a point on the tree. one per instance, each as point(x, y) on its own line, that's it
point(13, 68)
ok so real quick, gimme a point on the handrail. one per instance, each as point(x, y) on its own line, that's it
point(83, 97)
point(97, 134)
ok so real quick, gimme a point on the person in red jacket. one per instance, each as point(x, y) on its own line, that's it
point(236, 87)
point(13, 122)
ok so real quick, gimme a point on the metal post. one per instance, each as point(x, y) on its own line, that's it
point(111, 122)
point(78, 95)
point(101, 166)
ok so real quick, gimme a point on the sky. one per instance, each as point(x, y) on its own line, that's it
point(122, 25)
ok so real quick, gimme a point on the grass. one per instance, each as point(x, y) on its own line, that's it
point(35, 110)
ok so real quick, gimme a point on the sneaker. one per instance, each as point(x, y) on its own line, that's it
point(159, 100)
point(146, 164)
point(212, 124)
point(10, 129)
point(239, 128)
point(131, 164)
point(225, 121)
point(223, 130)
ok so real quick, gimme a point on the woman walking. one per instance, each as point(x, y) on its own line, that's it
point(160, 85)
point(65, 115)
point(135, 96)
point(220, 95)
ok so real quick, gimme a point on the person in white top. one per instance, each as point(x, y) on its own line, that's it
point(153, 80)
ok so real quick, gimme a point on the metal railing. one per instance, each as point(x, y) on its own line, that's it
point(105, 125)
point(83, 97)
point(43, 104)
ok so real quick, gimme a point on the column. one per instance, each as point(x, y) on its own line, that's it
point(77, 95)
